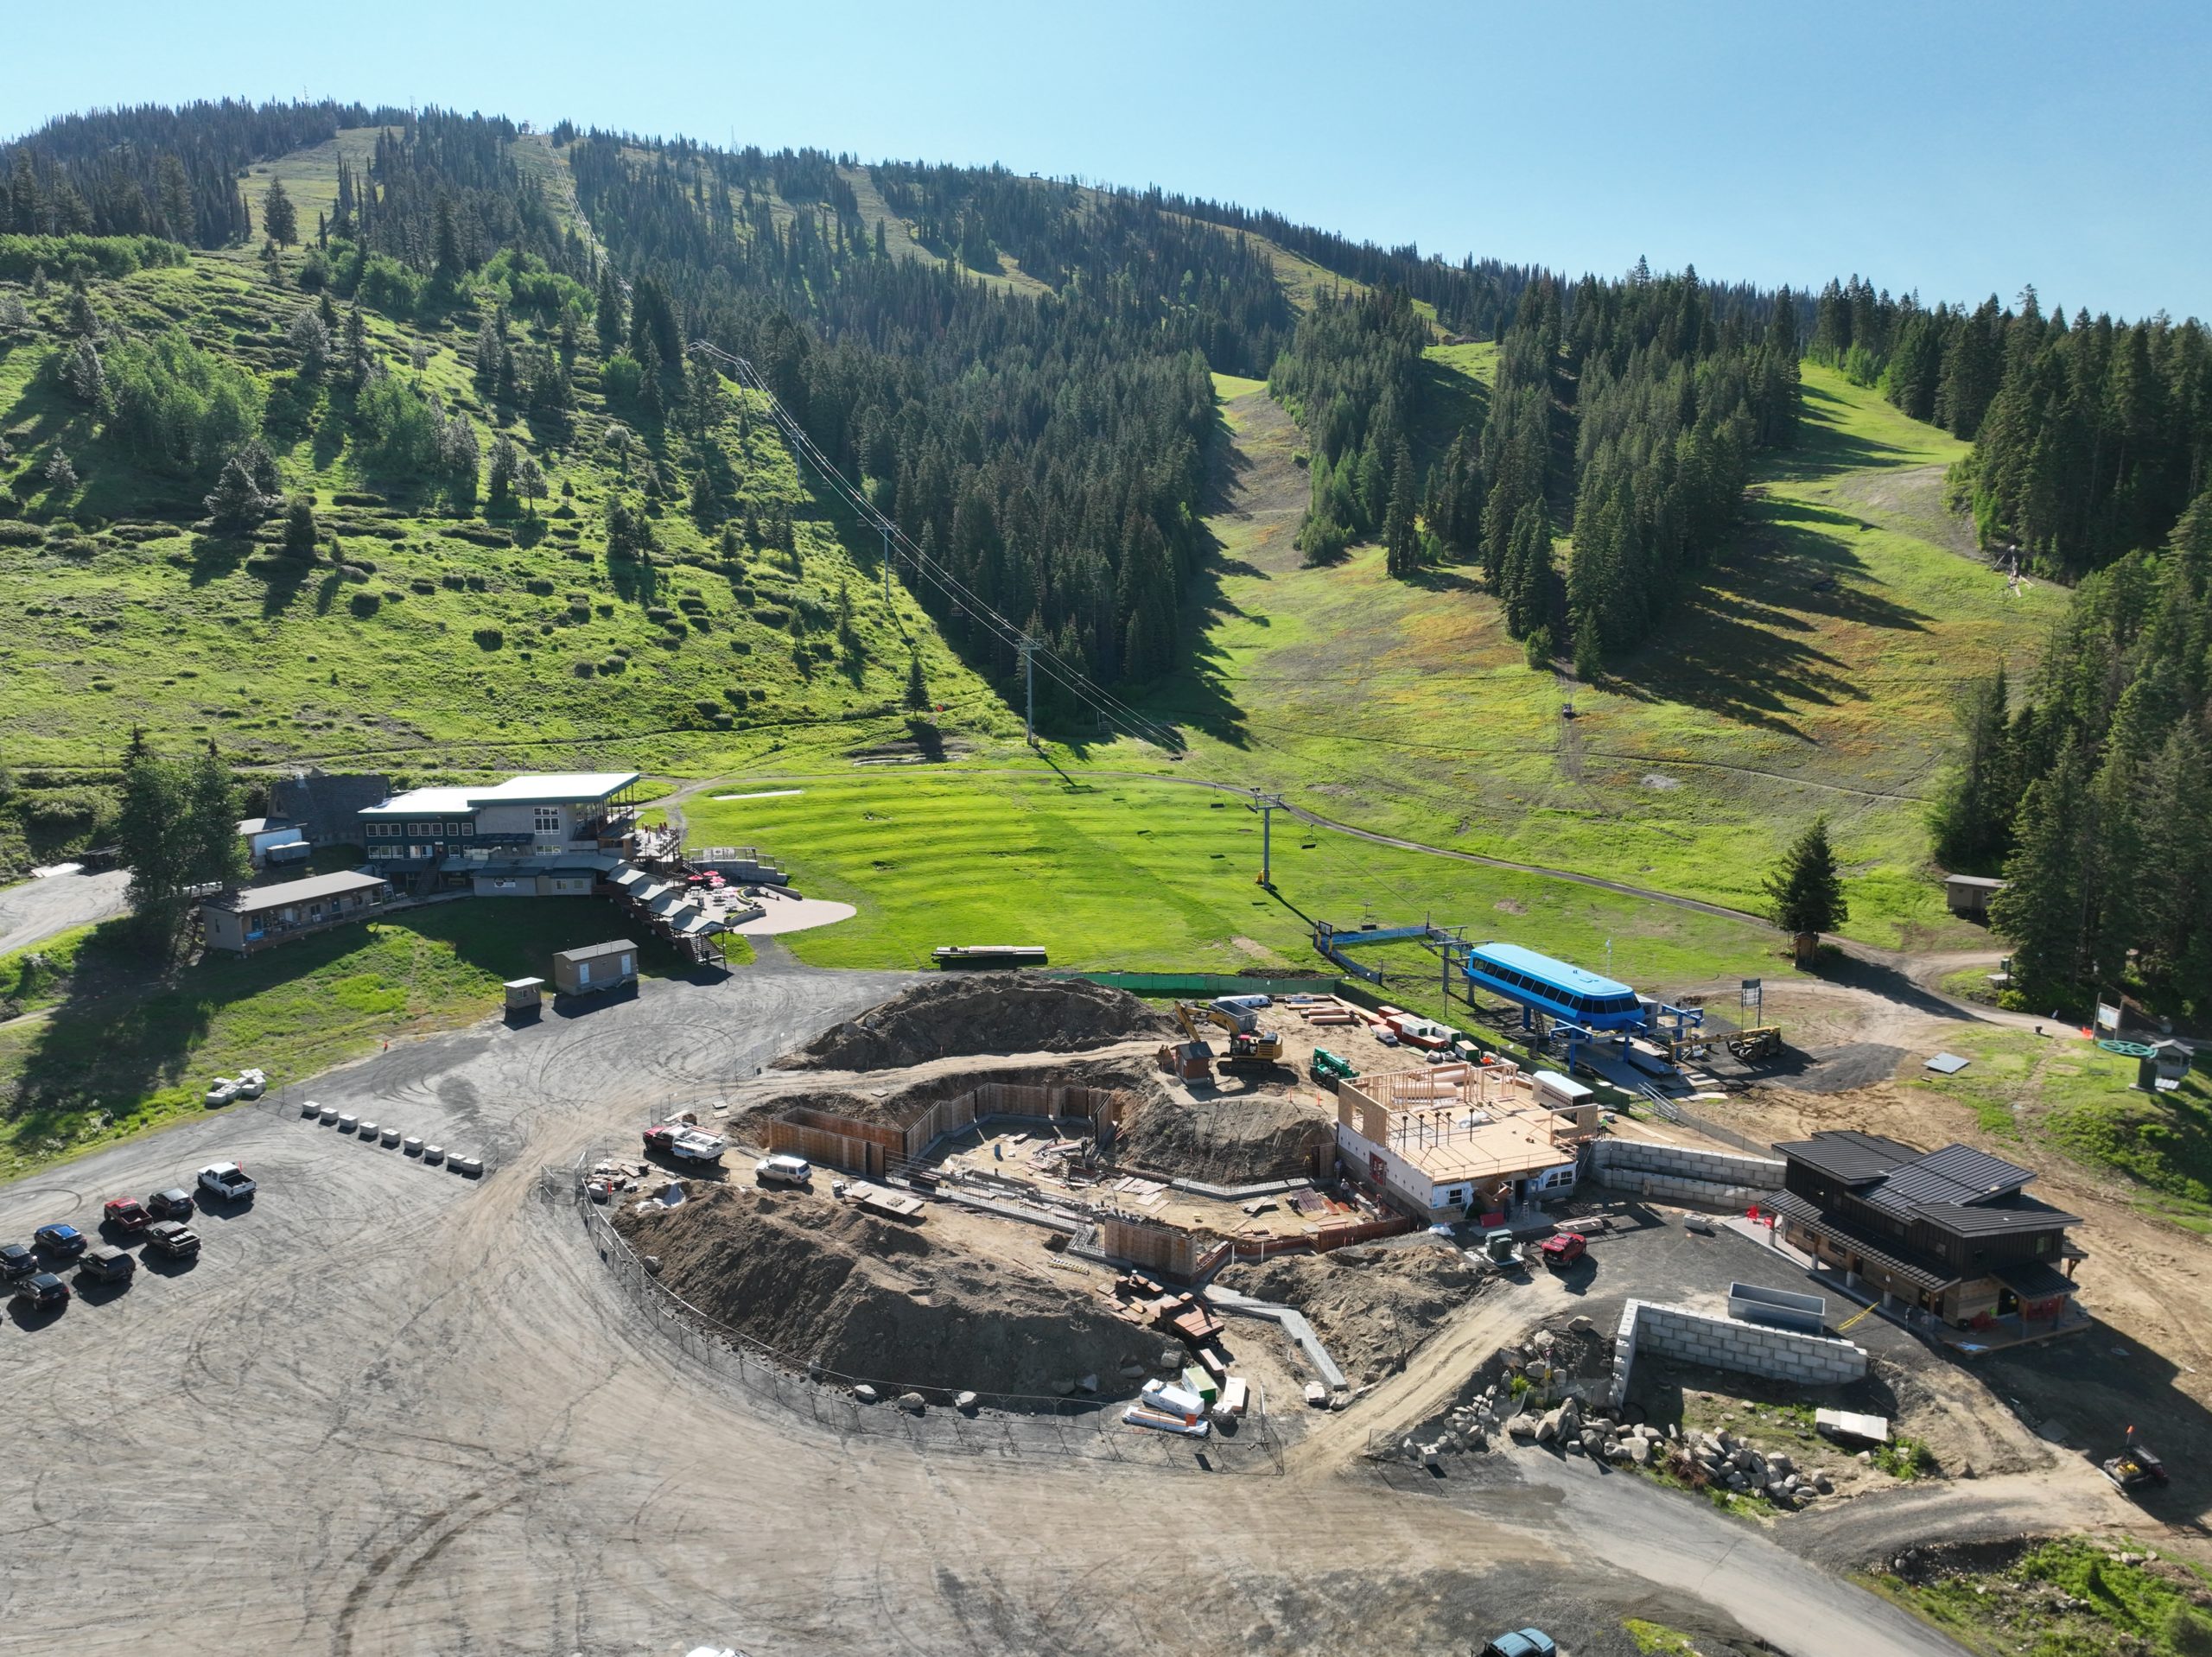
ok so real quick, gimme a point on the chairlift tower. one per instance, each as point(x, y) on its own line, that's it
point(1267, 805)
point(1028, 646)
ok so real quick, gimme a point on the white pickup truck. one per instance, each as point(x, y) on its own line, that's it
point(686, 1144)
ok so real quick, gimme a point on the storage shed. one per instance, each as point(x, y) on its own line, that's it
point(596, 967)
point(1969, 894)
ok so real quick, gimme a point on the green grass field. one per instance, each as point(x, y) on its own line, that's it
point(2059, 1088)
point(2069, 1596)
point(1109, 873)
point(97, 1049)
point(1815, 671)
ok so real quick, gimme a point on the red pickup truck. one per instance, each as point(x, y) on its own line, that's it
point(1563, 1249)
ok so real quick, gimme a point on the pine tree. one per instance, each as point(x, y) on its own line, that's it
point(235, 504)
point(151, 843)
point(61, 471)
point(1807, 888)
point(918, 692)
point(301, 531)
point(1528, 576)
point(502, 476)
point(1401, 535)
point(449, 262)
point(1972, 818)
point(83, 376)
point(2039, 909)
point(280, 219)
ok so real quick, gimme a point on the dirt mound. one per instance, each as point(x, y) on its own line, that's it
point(1229, 1142)
point(966, 1013)
point(870, 1299)
point(1371, 1306)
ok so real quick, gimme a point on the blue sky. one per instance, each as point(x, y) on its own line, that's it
point(1960, 149)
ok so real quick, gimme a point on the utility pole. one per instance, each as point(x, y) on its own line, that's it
point(1267, 805)
point(1028, 646)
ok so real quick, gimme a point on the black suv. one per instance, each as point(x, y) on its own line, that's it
point(61, 1241)
point(16, 1260)
point(175, 1203)
point(106, 1266)
point(45, 1293)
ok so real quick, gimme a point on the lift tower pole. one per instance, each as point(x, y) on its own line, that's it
point(886, 563)
point(1267, 805)
point(1028, 646)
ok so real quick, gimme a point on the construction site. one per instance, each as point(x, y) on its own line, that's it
point(1026, 1190)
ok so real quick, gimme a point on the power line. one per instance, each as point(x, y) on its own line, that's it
point(1036, 657)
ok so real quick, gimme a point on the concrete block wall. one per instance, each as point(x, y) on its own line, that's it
point(1726, 1343)
point(1678, 1173)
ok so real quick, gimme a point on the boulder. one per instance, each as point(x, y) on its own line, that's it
point(1523, 1425)
point(1780, 1464)
point(653, 1264)
point(1592, 1441)
point(912, 1403)
point(965, 1403)
point(1579, 1325)
point(1639, 1451)
point(1133, 1372)
point(865, 1392)
point(1548, 1428)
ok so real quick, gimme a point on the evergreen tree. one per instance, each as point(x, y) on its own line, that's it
point(1807, 888)
point(310, 341)
point(301, 531)
point(1401, 536)
point(1972, 818)
point(1526, 584)
point(502, 476)
point(918, 692)
point(280, 219)
point(60, 471)
point(235, 504)
point(447, 260)
point(82, 375)
point(2040, 908)
point(151, 844)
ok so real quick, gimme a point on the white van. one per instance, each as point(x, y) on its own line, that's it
point(783, 1169)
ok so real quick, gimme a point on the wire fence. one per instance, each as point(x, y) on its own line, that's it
point(1004, 1425)
point(1664, 1107)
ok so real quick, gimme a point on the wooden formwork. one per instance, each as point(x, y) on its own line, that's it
point(1163, 1250)
point(863, 1148)
point(1100, 1106)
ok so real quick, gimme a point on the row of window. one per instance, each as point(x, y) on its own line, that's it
point(1587, 1005)
point(546, 821)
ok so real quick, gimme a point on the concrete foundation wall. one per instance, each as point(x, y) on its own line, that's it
point(1678, 1173)
point(1726, 1344)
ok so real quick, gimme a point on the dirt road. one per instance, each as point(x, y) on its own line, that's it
point(394, 1411)
point(39, 909)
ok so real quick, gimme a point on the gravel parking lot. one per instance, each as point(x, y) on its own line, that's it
point(391, 1410)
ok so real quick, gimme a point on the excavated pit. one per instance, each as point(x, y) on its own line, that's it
point(953, 1305)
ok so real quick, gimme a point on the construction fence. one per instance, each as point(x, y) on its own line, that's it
point(1000, 1425)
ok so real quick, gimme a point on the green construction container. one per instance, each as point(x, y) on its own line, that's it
point(1196, 1379)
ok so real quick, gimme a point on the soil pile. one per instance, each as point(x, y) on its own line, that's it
point(1229, 1142)
point(966, 1013)
point(1371, 1306)
point(869, 1299)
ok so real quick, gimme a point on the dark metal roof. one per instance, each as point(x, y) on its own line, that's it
point(1977, 1169)
point(2022, 1214)
point(2031, 1280)
point(253, 901)
point(1794, 1206)
point(1847, 1155)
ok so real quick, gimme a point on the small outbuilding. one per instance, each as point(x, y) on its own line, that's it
point(1969, 894)
point(594, 968)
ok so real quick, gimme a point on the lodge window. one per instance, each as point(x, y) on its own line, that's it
point(548, 819)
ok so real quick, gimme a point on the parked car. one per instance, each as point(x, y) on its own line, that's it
point(125, 1216)
point(783, 1169)
point(174, 1203)
point(251, 1084)
point(686, 1144)
point(1522, 1642)
point(45, 1293)
point(221, 1091)
point(63, 1242)
point(173, 1238)
point(105, 1265)
point(16, 1260)
point(1564, 1249)
point(227, 1182)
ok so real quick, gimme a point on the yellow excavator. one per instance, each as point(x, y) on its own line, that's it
point(1250, 1048)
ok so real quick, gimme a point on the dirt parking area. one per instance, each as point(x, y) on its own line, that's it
point(395, 1412)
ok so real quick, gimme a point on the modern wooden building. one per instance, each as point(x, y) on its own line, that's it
point(254, 918)
point(1950, 1234)
point(540, 834)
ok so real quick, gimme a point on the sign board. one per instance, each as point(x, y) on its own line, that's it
point(2107, 1016)
point(1754, 993)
